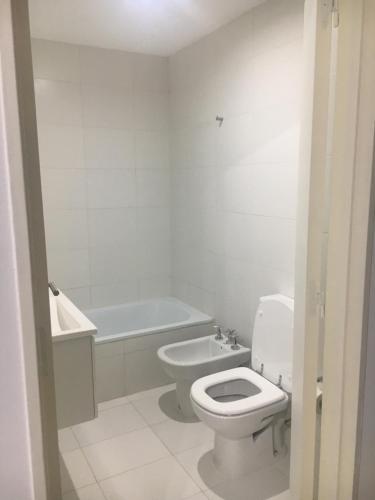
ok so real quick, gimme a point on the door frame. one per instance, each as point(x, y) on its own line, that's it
point(26, 238)
point(350, 238)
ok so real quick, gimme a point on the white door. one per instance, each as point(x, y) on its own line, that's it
point(29, 466)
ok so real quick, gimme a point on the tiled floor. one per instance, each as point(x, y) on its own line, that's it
point(139, 448)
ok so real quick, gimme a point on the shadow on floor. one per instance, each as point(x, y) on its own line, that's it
point(168, 405)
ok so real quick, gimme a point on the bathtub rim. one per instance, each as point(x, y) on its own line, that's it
point(201, 319)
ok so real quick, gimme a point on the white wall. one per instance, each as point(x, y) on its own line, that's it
point(234, 187)
point(104, 152)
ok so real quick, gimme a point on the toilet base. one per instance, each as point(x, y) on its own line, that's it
point(238, 457)
point(183, 398)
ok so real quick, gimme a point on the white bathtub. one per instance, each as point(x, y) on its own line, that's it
point(129, 336)
point(144, 318)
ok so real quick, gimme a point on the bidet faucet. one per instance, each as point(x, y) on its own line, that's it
point(219, 335)
point(231, 336)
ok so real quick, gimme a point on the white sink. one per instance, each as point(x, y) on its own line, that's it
point(67, 321)
point(73, 362)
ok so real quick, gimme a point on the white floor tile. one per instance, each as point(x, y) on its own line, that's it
point(283, 496)
point(67, 440)
point(180, 436)
point(112, 403)
point(261, 485)
point(124, 452)
point(110, 423)
point(92, 492)
point(162, 480)
point(75, 471)
point(198, 463)
point(153, 393)
point(157, 408)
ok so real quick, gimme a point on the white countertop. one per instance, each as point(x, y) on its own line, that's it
point(67, 321)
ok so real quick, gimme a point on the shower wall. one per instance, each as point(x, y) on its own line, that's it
point(234, 185)
point(104, 153)
point(147, 194)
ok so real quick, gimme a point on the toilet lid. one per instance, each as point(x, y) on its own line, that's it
point(268, 392)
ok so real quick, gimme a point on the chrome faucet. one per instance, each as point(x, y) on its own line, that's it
point(219, 334)
point(232, 336)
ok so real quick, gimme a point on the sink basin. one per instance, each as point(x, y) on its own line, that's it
point(67, 321)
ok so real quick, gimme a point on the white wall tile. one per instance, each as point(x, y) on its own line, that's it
point(69, 269)
point(91, 141)
point(111, 226)
point(58, 103)
point(109, 148)
point(55, 60)
point(108, 188)
point(108, 107)
point(151, 111)
point(109, 67)
point(66, 229)
point(119, 293)
point(151, 73)
point(153, 187)
point(113, 264)
point(64, 188)
point(152, 149)
point(60, 146)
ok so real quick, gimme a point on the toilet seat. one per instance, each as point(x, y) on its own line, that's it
point(268, 393)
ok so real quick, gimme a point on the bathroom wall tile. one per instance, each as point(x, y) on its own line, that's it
point(143, 369)
point(150, 481)
point(107, 107)
point(79, 296)
point(60, 146)
point(111, 188)
point(58, 103)
point(66, 229)
point(112, 265)
point(118, 293)
point(111, 226)
point(276, 23)
point(107, 67)
point(110, 378)
point(55, 60)
point(152, 149)
point(151, 111)
point(260, 189)
point(153, 187)
point(119, 454)
point(158, 286)
point(109, 148)
point(109, 349)
point(69, 269)
point(151, 73)
point(63, 188)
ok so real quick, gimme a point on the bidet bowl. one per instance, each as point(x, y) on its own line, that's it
point(187, 361)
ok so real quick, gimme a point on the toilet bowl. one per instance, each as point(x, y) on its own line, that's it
point(187, 361)
point(248, 407)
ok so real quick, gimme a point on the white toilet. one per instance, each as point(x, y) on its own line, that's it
point(187, 361)
point(248, 407)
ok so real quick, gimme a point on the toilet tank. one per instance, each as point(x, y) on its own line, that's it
point(272, 344)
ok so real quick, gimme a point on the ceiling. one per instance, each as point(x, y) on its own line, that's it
point(160, 27)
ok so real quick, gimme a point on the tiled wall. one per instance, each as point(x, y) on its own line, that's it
point(104, 151)
point(234, 187)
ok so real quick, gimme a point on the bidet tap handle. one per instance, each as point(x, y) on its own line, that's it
point(232, 336)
